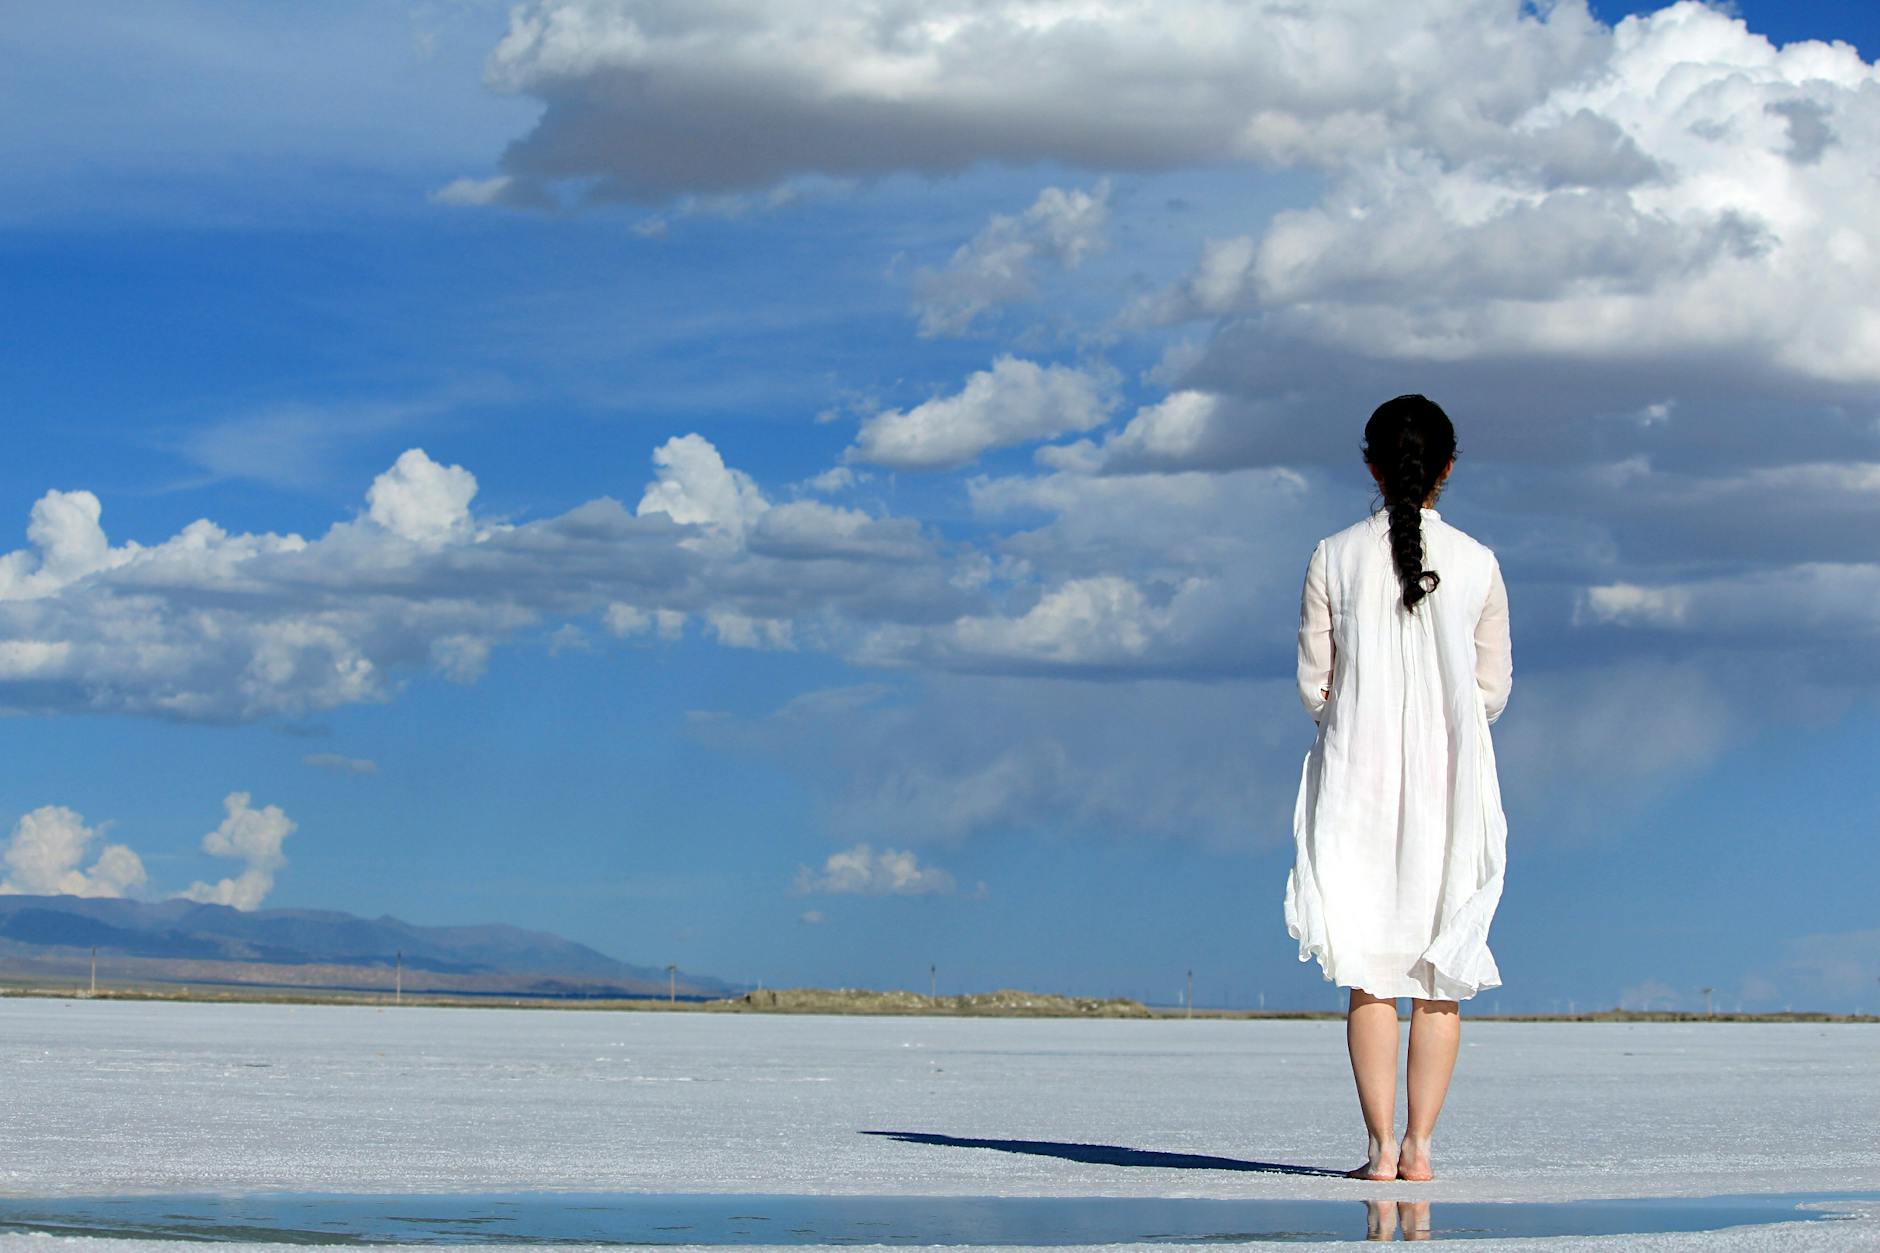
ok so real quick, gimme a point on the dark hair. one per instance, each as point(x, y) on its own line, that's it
point(1409, 441)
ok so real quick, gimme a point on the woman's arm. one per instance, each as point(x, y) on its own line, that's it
point(1315, 637)
point(1494, 658)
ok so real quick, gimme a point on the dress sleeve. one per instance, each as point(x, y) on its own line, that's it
point(1315, 637)
point(1494, 659)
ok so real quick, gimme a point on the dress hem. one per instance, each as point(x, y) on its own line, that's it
point(1442, 987)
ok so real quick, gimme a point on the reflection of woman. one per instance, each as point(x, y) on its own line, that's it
point(1403, 662)
point(1382, 1218)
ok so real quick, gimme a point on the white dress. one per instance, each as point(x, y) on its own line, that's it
point(1399, 833)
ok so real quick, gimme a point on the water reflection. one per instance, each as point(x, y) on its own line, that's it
point(621, 1219)
point(1383, 1220)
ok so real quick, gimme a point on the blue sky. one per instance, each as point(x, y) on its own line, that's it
point(1016, 395)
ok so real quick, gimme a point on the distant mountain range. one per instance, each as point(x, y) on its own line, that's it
point(182, 941)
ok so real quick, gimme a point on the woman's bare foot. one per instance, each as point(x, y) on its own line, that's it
point(1380, 1163)
point(1413, 1160)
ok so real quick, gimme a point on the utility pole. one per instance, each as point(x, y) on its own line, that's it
point(1707, 992)
point(1189, 999)
point(398, 978)
point(933, 983)
point(672, 985)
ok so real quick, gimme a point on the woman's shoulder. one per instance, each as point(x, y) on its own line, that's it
point(1366, 528)
point(1455, 537)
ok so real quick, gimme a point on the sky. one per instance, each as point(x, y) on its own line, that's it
point(815, 492)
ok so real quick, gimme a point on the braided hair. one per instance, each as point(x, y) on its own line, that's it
point(1409, 442)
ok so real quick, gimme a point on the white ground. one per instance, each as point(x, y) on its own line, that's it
point(103, 1097)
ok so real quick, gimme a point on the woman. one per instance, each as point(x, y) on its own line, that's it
point(1403, 662)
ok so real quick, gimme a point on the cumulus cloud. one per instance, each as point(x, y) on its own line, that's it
point(1184, 429)
point(253, 837)
point(999, 265)
point(737, 630)
point(1128, 576)
point(622, 619)
point(420, 500)
point(1683, 189)
point(1015, 402)
point(1826, 602)
point(69, 542)
point(1104, 623)
point(48, 846)
point(862, 870)
point(695, 486)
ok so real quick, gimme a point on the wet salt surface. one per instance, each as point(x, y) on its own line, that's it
point(117, 1098)
point(729, 1220)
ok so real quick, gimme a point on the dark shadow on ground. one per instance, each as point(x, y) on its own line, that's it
point(1109, 1154)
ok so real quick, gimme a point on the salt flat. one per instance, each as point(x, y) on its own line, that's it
point(106, 1096)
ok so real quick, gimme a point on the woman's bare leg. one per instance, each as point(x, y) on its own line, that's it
point(1371, 1037)
point(1435, 1034)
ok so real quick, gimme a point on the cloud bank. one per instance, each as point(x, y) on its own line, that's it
point(655, 99)
point(1633, 261)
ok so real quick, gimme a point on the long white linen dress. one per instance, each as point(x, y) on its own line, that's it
point(1401, 841)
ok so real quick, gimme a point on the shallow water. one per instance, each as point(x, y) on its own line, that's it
point(643, 1218)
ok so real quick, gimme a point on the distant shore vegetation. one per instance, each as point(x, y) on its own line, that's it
point(1005, 1003)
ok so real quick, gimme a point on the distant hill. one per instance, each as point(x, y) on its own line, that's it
point(183, 941)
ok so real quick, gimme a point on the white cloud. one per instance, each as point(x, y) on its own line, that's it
point(335, 763)
point(422, 501)
point(1686, 187)
point(1081, 621)
point(70, 544)
point(1015, 402)
point(209, 625)
point(1183, 429)
point(461, 658)
point(812, 917)
point(999, 265)
point(1220, 283)
point(752, 92)
point(1630, 603)
point(811, 529)
point(252, 836)
point(834, 479)
point(1817, 601)
point(736, 630)
point(568, 638)
point(473, 191)
point(622, 619)
point(862, 870)
point(696, 487)
point(46, 849)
